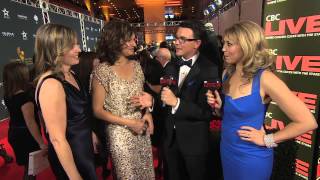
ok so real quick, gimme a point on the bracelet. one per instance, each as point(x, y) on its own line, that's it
point(269, 141)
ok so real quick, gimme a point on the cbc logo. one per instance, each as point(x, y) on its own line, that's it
point(274, 51)
point(269, 115)
point(273, 17)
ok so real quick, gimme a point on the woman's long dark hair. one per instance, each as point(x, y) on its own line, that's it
point(15, 78)
point(85, 67)
point(114, 34)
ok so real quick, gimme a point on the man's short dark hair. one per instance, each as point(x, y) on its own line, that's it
point(196, 26)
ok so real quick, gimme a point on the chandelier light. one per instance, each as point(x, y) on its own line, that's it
point(212, 7)
point(206, 12)
point(218, 3)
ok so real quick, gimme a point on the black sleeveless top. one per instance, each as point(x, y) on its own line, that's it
point(78, 131)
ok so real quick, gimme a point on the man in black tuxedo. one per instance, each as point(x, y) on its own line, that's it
point(186, 133)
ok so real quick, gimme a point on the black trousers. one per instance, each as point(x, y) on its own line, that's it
point(184, 167)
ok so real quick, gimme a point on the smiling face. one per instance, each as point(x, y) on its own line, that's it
point(186, 45)
point(232, 51)
point(128, 47)
point(71, 57)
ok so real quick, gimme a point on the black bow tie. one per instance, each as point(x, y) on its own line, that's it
point(187, 63)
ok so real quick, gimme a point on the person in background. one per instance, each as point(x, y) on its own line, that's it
point(163, 56)
point(211, 48)
point(24, 133)
point(153, 71)
point(3, 154)
point(164, 44)
point(63, 103)
point(115, 81)
point(248, 86)
point(186, 129)
point(153, 51)
point(88, 61)
point(171, 48)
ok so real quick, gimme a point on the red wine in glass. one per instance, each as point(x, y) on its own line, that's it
point(168, 81)
point(212, 86)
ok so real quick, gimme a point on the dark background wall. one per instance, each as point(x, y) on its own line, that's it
point(18, 25)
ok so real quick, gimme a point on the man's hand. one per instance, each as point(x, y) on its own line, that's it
point(168, 97)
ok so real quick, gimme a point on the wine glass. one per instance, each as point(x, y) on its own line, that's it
point(212, 85)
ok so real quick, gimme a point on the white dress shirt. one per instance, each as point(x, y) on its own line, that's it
point(183, 73)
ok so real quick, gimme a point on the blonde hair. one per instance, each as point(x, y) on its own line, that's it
point(52, 42)
point(256, 54)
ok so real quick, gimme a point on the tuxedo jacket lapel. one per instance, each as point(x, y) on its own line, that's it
point(194, 71)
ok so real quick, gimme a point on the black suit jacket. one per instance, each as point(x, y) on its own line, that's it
point(194, 114)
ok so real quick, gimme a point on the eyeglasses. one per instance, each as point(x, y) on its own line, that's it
point(183, 40)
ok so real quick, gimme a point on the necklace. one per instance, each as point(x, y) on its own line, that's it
point(67, 74)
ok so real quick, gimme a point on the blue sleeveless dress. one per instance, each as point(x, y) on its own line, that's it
point(244, 160)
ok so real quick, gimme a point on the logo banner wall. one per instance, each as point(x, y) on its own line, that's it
point(292, 28)
point(19, 24)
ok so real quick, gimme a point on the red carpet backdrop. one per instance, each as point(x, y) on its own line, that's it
point(292, 28)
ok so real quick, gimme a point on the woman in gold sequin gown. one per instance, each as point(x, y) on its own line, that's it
point(115, 81)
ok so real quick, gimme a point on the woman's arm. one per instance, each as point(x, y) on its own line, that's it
point(98, 97)
point(302, 119)
point(28, 115)
point(142, 101)
point(54, 113)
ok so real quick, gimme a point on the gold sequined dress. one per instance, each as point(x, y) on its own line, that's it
point(131, 154)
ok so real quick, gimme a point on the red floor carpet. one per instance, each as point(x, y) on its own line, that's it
point(12, 171)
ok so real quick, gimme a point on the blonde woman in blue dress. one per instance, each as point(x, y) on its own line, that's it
point(248, 87)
